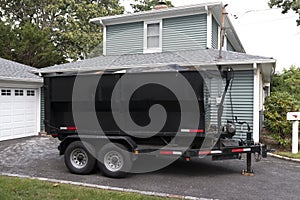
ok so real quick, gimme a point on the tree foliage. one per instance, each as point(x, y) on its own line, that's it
point(285, 97)
point(144, 5)
point(65, 21)
point(33, 47)
point(288, 81)
point(28, 44)
point(7, 41)
point(287, 5)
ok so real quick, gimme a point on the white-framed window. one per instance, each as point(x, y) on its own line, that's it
point(30, 93)
point(5, 92)
point(19, 92)
point(153, 36)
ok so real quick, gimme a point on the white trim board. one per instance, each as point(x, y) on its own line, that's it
point(209, 29)
point(256, 100)
point(20, 84)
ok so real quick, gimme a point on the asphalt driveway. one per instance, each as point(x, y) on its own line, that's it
point(274, 178)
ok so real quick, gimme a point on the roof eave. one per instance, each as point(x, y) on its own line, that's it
point(31, 80)
point(163, 13)
point(229, 28)
point(233, 34)
point(221, 62)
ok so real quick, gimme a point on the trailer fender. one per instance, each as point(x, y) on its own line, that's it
point(97, 141)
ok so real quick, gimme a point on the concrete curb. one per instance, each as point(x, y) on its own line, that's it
point(118, 189)
point(283, 157)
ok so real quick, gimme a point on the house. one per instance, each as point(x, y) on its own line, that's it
point(187, 36)
point(19, 100)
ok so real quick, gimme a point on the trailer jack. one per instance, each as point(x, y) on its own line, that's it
point(249, 170)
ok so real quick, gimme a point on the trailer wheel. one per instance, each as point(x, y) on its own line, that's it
point(114, 161)
point(79, 157)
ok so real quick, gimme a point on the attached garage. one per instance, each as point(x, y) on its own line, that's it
point(19, 101)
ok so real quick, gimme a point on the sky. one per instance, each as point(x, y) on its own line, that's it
point(262, 31)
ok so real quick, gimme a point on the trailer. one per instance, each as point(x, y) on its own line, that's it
point(105, 118)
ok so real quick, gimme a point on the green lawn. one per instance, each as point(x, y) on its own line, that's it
point(27, 189)
point(289, 154)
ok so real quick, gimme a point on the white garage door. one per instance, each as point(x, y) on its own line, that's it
point(18, 113)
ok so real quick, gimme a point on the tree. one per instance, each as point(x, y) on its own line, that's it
point(7, 41)
point(67, 21)
point(143, 5)
point(288, 81)
point(285, 97)
point(29, 45)
point(34, 47)
point(287, 5)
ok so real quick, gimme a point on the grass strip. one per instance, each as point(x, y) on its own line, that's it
point(289, 154)
point(12, 188)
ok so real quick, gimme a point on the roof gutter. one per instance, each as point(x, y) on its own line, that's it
point(40, 80)
point(241, 62)
point(97, 21)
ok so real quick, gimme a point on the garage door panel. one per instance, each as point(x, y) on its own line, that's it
point(18, 105)
point(5, 112)
point(29, 103)
point(19, 131)
point(18, 112)
point(29, 130)
point(6, 132)
point(18, 125)
point(30, 118)
point(18, 116)
point(5, 105)
point(29, 112)
point(29, 109)
point(5, 119)
point(6, 126)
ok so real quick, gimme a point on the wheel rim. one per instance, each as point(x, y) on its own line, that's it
point(113, 161)
point(79, 158)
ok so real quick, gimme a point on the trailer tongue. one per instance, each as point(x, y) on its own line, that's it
point(109, 119)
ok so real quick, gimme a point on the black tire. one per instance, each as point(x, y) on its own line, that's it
point(79, 157)
point(114, 160)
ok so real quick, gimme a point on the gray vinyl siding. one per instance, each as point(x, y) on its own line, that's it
point(184, 33)
point(216, 88)
point(125, 38)
point(229, 46)
point(214, 34)
point(242, 100)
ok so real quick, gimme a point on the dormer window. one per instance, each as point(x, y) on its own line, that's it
point(153, 36)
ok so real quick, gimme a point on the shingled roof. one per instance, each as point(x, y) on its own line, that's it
point(201, 57)
point(10, 70)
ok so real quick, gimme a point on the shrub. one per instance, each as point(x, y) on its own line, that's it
point(276, 107)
